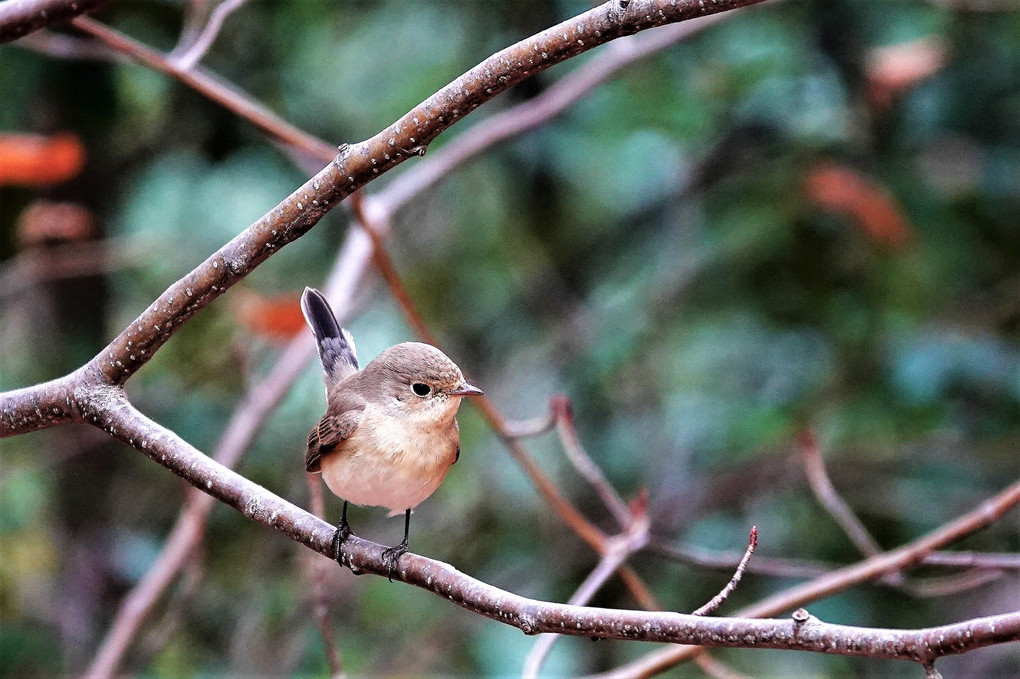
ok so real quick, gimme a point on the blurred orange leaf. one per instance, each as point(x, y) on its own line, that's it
point(895, 68)
point(840, 189)
point(275, 318)
point(37, 160)
point(44, 221)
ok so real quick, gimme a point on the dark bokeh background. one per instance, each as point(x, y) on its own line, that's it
point(808, 215)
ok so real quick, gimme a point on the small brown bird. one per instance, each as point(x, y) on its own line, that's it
point(389, 434)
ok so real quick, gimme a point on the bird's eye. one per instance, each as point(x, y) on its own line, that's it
point(421, 389)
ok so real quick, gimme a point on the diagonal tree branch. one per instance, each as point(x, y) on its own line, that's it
point(246, 423)
point(355, 166)
point(255, 407)
point(21, 17)
point(208, 85)
point(122, 421)
point(58, 401)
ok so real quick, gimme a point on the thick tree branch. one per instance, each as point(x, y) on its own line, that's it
point(246, 423)
point(352, 261)
point(357, 165)
point(122, 421)
point(21, 17)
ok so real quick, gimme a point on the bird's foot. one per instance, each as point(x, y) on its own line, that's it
point(343, 531)
point(392, 558)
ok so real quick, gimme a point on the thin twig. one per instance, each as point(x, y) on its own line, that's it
point(717, 669)
point(723, 595)
point(870, 569)
point(618, 550)
point(564, 412)
point(825, 492)
point(212, 88)
point(803, 568)
point(192, 54)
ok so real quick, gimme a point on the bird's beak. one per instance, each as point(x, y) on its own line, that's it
point(466, 389)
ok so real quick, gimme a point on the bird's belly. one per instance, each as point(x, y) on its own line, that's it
point(394, 476)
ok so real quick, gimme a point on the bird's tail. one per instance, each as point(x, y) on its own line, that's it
point(336, 346)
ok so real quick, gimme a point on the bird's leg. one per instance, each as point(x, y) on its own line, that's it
point(343, 531)
point(392, 555)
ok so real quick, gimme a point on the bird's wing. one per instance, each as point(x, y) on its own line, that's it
point(334, 427)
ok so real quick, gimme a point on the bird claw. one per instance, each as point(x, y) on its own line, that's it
point(343, 531)
point(392, 558)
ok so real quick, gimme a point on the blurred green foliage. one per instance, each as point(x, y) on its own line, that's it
point(654, 254)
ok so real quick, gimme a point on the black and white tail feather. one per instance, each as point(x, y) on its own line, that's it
point(336, 346)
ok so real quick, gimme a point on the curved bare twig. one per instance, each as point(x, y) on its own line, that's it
point(873, 568)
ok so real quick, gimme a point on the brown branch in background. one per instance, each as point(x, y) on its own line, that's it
point(618, 550)
point(723, 595)
point(61, 46)
point(728, 560)
point(949, 585)
point(833, 503)
point(1001, 561)
point(564, 412)
point(320, 569)
point(189, 53)
point(21, 17)
point(991, 565)
point(715, 668)
point(560, 505)
point(212, 88)
point(536, 426)
point(825, 492)
point(72, 260)
point(873, 568)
